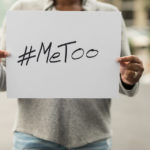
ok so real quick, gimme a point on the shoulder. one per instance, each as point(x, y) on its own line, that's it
point(106, 6)
point(29, 5)
point(100, 6)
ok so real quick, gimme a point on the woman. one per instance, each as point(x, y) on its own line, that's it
point(61, 124)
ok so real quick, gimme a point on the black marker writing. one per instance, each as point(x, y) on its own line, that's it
point(66, 48)
point(77, 51)
point(45, 51)
point(90, 54)
point(26, 56)
point(55, 57)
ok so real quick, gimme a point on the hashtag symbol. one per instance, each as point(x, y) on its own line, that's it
point(26, 56)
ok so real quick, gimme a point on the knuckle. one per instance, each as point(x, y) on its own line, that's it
point(133, 57)
point(140, 61)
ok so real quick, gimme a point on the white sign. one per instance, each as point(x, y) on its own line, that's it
point(62, 54)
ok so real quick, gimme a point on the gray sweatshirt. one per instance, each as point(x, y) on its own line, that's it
point(69, 122)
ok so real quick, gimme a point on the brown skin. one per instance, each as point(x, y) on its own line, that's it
point(3, 54)
point(68, 5)
point(129, 67)
point(128, 64)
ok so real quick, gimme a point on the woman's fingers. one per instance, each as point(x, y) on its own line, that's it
point(131, 69)
point(3, 54)
point(132, 58)
point(128, 77)
point(131, 77)
point(134, 67)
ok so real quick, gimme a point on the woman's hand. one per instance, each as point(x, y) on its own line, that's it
point(3, 54)
point(131, 69)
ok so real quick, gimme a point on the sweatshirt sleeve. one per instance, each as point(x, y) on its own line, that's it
point(125, 51)
point(16, 6)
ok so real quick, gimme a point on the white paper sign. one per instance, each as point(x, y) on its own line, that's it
point(63, 54)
